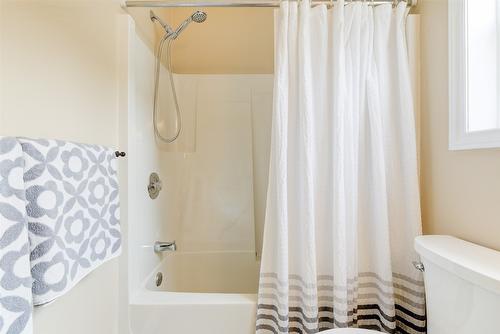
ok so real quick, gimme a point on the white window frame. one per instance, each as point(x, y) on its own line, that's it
point(459, 137)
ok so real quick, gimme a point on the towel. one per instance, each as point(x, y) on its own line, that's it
point(73, 211)
point(15, 277)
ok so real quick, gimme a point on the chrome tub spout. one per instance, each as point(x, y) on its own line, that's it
point(162, 246)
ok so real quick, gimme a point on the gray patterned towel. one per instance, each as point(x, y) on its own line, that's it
point(73, 212)
point(15, 277)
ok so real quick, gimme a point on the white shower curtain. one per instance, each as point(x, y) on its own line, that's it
point(343, 199)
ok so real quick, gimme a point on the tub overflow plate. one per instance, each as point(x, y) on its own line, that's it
point(158, 278)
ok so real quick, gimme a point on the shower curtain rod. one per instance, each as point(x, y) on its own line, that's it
point(262, 4)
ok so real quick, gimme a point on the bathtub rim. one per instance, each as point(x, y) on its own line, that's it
point(148, 297)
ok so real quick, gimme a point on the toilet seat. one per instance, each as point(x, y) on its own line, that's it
point(350, 331)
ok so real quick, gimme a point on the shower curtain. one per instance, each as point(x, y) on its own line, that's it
point(343, 199)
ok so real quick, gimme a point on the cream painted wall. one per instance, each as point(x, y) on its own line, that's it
point(60, 79)
point(460, 189)
point(230, 41)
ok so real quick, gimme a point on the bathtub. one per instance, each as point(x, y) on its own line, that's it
point(209, 293)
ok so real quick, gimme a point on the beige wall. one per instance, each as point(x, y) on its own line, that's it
point(460, 189)
point(59, 79)
point(231, 40)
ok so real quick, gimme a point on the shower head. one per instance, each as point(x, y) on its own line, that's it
point(197, 17)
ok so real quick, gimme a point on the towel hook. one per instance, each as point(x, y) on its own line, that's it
point(119, 154)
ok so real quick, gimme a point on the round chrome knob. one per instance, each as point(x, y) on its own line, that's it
point(154, 186)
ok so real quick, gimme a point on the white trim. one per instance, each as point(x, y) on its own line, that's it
point(459, 137)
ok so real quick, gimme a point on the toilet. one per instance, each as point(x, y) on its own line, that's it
point(462, 282)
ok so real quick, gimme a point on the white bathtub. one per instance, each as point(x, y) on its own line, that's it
point(201, 293)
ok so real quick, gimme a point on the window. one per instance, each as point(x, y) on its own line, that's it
point(474, 32)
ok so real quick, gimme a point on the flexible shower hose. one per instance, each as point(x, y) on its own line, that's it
point(178, 120)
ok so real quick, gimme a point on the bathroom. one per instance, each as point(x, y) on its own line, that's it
point(83, 71)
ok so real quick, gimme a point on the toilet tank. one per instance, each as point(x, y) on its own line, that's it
point(462, 282)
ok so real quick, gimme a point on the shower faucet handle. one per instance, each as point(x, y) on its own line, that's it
point(154, 186)
point(162, 246)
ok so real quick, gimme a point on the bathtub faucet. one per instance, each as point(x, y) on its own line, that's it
point(162, 246)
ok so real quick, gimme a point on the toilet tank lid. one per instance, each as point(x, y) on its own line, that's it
point(471, 262)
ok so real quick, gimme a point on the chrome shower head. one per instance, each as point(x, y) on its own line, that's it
point(197, 17)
